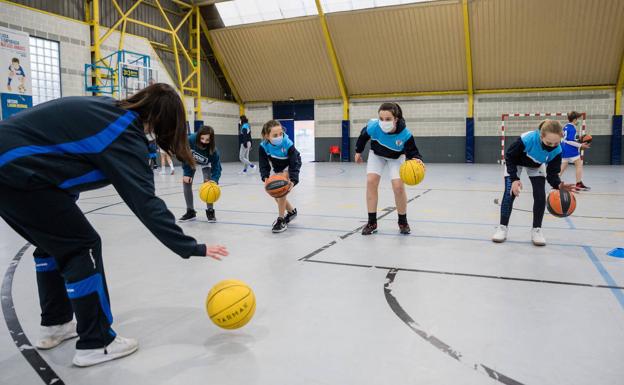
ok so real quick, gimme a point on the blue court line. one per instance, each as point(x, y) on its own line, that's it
point(362, 218)
point(380, 233)
point(618, 293)
point(569, 221)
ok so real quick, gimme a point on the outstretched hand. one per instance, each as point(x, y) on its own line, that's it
point(216, 252)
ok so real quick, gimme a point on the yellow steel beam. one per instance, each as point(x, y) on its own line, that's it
point(221, 63)
point(96, 54)
point(618, 89)
point(182, 3)
point(177, 63)
point(468, 47)
point(544, 89)
point(334, 60)
point(121, 20)
point(407, 94)
point(183, 21)
point(198, 114)
point(147, 25)
point(174, 35)
point(118, 8)
point(122, 36)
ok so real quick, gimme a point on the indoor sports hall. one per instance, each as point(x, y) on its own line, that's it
point(382, 192)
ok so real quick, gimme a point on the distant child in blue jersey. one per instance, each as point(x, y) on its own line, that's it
point(391, 143)
point(572, 149)
point(278, 151)
point(206, 155)
point(16, 71)
point(539, 152)
point(244, 140)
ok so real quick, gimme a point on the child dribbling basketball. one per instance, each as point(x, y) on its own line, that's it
point(391, 143)
point(538, 151)
point(206, 155)
point(278, 151)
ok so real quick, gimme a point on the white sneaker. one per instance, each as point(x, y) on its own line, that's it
point(51, 336)
point(242, 172)
point(537, 237)
point(500, 235)
point(162, 171)
point(253, 167)
point(120, 347)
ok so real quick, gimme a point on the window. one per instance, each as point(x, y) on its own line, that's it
point(45, 68)
point(237, 12)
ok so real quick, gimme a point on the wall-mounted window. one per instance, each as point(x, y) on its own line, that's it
point(45, 65)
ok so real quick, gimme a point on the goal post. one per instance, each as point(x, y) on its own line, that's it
point(515, 124)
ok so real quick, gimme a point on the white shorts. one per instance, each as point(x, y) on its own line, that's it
point(571, 160)
point(531, 171)
point(376, 165)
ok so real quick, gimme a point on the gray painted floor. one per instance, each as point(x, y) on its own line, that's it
point(445, 317)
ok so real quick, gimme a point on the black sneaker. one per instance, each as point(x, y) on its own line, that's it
point(210, 214)
point(581, 187)
point(189, 216)
point(290, 216)
point(369, 229)
point(404, 228)
point(280, 225)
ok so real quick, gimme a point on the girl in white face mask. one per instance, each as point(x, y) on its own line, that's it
point(391, 144)
point(277, 150)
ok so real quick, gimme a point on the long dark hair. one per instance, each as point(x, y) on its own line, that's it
point(206, 130)
point(160, 107)
point(396, 111)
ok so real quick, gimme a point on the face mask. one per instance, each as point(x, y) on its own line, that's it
point(548, 148)
point(277, 141)
point(386, 126)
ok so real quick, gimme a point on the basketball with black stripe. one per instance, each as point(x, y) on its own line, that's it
point(561, 203)
point(230, 304)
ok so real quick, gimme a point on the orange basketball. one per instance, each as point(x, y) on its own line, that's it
point(560, 203)
point(586, 138)
point(277, 186)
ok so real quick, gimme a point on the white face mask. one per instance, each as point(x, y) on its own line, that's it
point(277, 141)
point(386, 126)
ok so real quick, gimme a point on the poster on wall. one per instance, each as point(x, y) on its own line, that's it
point(15, 75)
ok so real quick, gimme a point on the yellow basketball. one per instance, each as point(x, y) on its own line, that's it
point(412, 172)
point(209, 192)
point(231, 304)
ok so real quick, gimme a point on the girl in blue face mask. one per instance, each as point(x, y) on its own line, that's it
point(391, 144)
point(539, 152)
point(277, 150)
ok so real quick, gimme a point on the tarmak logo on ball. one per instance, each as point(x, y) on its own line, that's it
point(234, 314)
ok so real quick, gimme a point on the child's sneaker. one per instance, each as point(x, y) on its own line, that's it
point(172, 171)
point(51, 336)
point(162, 171)
point(538, 237)
point(369, 229)
point(279, 226)
point(404, 228)
point(210, 214)
point(500, 235)
point(581, 186)
point(189, 216)
point(120, 347)
point(290, 215)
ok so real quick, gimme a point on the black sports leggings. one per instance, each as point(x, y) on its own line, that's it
point(539, 200)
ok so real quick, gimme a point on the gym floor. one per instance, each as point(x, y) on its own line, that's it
point(443, 306)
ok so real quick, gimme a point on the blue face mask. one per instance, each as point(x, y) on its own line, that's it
point(277, 141)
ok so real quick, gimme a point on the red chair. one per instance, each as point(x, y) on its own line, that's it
point(334, 150)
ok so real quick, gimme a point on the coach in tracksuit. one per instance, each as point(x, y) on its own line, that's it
point(52, 152)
